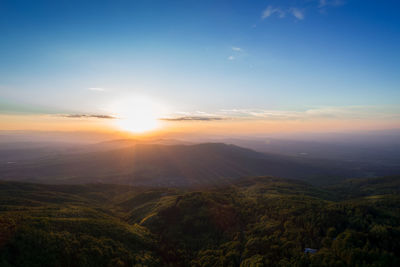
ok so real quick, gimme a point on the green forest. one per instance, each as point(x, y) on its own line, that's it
point(257, 221)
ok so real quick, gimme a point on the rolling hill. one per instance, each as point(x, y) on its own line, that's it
point(254, 221)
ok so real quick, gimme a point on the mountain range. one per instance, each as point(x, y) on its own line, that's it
point(169, 163)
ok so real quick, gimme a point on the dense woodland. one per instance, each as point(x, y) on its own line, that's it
point(259, 221)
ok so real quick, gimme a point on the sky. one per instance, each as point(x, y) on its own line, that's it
point(222, 66)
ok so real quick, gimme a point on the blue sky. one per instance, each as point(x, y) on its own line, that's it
point(208, 56)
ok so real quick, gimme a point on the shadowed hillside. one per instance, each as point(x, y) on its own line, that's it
point(173, 165)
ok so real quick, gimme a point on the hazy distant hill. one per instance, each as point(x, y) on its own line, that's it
point(172, 165)
point(378, 154)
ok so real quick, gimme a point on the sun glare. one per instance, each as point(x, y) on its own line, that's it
point(137, 114)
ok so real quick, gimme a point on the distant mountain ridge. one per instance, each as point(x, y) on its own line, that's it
point(171, 165)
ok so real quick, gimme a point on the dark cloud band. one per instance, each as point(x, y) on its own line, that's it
point(88, 116)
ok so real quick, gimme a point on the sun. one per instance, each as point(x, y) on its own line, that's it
point(137, 114)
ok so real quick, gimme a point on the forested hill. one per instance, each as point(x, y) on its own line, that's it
point(257, 221)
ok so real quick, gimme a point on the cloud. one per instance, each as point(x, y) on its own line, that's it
point(269, 11)
point(324, 112)
point(333, 3)
point(338, 112)
point(260, 114)
point(354, 112)
point(297, 13)
point(193, 118)
point(236, 52)
point(87, 116)
point(324, 5)
point(97, 89)
point(281, 12)
point(315, 113)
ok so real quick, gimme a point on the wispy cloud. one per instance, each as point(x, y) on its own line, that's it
point(87, 116)
point(326, 3)
point(325, 113)
point(190, 118)
point(315, 113)
point(97, 89)
point(258, 114)
point(338, 112)
point(237, 52)
point(323, 5)
point(281, 12)
point(270, 10)
point(297, 13)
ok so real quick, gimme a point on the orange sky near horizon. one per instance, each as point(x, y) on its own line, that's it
point(228, 127)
